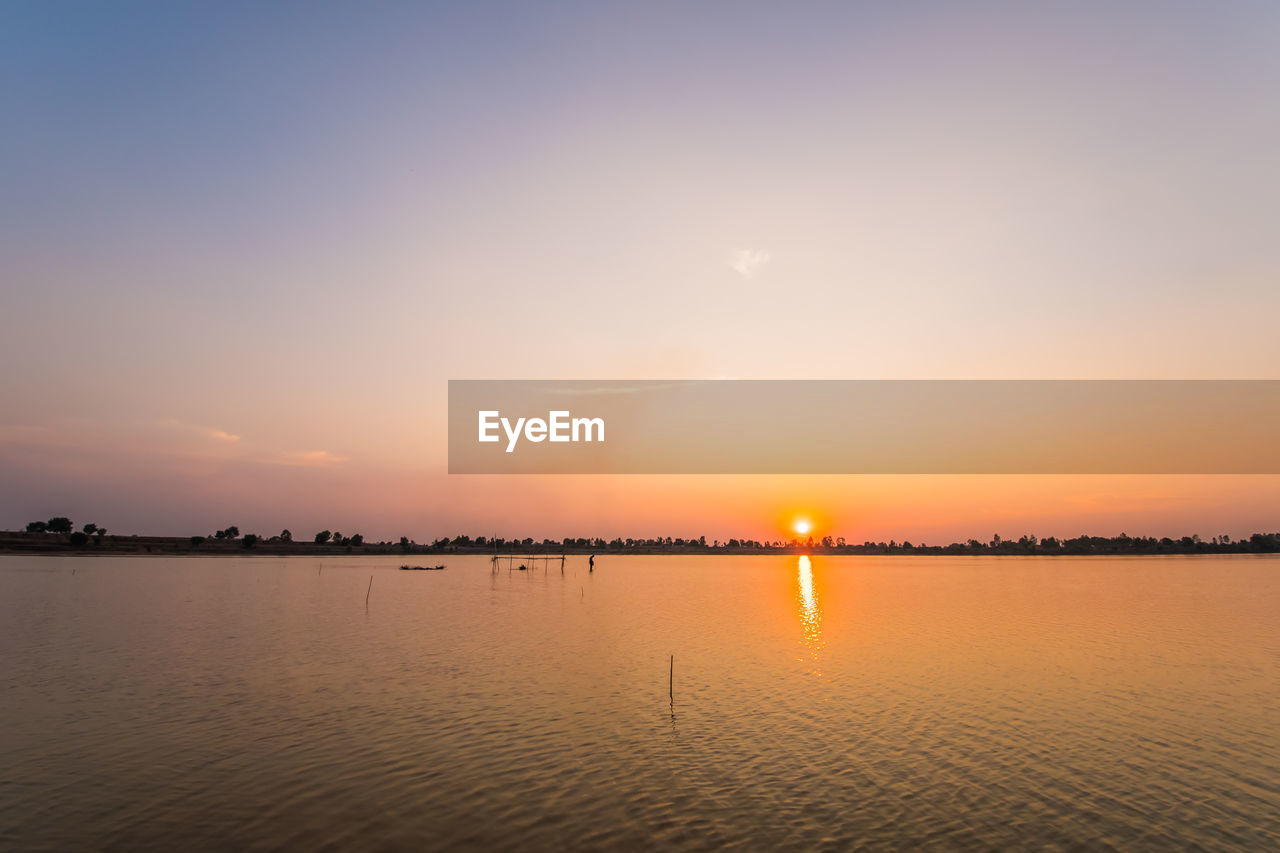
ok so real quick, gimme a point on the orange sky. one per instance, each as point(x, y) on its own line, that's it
point(197, 483)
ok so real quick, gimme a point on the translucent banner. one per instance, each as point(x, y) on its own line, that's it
point(864, 427)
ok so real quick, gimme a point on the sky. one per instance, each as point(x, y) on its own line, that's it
point(245, 245)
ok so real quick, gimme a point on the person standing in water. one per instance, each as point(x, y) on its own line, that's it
point(591, 563)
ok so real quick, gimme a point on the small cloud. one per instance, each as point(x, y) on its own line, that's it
point(311, 458)
point(748, 262)
point(33, 434)
point(192, 429)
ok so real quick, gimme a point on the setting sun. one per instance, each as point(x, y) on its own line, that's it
point(802, 526)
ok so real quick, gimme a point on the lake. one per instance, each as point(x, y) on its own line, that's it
point(814, 703)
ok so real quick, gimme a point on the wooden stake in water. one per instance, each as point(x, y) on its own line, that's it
point(671, 680)
point(366, 594)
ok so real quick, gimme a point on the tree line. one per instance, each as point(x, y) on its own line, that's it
point(1257, 543)
point(62, 524)
point(249, 540)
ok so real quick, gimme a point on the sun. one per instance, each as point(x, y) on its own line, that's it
point(802, 526)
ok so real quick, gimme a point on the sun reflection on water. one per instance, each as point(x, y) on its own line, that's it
point(810, 609)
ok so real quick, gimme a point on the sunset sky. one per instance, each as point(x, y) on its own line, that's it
point(243, 248)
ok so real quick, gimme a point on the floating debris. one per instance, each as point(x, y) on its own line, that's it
point(421, 568)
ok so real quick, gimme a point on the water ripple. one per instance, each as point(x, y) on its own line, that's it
point(818, 704)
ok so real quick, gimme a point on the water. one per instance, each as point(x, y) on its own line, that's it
point(818, 703)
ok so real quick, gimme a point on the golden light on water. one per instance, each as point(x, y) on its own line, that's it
point(810, 608)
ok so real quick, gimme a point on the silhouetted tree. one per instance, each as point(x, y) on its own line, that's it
point(79, 539)
point(59, 524)
point(286, 536)
point(250, 539)
point(358, 539)
point(37, 527)
point(1267, 543)
point(323, 536)
point(90, 529)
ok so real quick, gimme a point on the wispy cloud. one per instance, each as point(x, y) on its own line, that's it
point(748, 262)
point(28, 434)
point(310, 458)
point(191, 449)
point(220, 435)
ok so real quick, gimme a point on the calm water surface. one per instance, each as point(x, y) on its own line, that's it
point(818, 703)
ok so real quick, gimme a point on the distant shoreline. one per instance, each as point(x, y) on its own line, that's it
point(64, 544)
